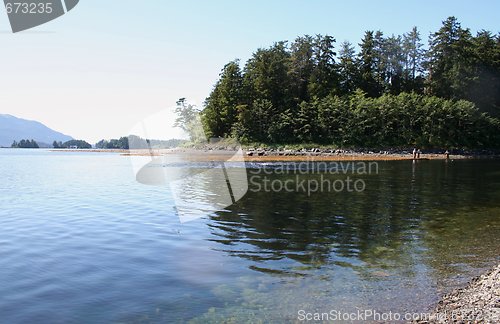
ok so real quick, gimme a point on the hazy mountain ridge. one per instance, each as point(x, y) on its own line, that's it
point(14, 129)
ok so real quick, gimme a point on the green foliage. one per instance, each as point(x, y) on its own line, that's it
point(189, 120)
point(348, 69)
point(450, 60)
point(408, 119)
point(301, 66)
point(254, 122)
point(306, 93)
point(57, 144)
point(413, 72)
point(220, 111)
point(266, 74)
point(324, 76)
point(74, 143)
point(369, 66)
point(485, 91)
point(135, 142)
point(25, 144)
point(121, 143)
point(465, 67)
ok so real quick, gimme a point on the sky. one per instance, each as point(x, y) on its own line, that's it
point(106, 65)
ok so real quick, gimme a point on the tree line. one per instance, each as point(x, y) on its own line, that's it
point(121, 143)
point(25, 143)
point(136, 142)
point(391, 92)
point(71, 143)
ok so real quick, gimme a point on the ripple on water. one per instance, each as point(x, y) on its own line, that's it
point(81, 241)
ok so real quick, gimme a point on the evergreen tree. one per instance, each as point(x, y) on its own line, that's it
point(301, 68)
point(25, 144)
point(486, 89)
point(220, 107)
point(324, 77)
point(306, 93)
point(348, 69)
point(379, 62)
point(451, 61)
point(413, 61)
point(368, 61)
point(266, 76)
point(255, 123)
point(393, 58)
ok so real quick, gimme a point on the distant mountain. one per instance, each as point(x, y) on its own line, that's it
point(16, 129)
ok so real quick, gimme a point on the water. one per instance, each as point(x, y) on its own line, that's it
point(82, 242)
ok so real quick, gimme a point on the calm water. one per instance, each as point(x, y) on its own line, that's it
point(82, 242)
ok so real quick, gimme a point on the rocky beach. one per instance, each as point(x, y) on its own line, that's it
point(477, 302)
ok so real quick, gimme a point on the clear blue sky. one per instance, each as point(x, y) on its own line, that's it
point(107, 64)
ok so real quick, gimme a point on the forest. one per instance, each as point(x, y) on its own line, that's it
point(25, 144)
point(392, 91)
point(71, 143)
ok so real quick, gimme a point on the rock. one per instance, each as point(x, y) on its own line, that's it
point(476, 303)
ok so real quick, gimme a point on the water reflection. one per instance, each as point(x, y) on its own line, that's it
point(212, 181)
point(429, 212)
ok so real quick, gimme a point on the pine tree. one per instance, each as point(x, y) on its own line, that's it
point(368, 61)
point(486, 90)
point(348, 69)
point(301, 68)
point(324, 77)
point(451, 61)
point(221, 106)
point(413, 61)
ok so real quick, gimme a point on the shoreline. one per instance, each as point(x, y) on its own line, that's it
point(252, 155)
point(477, 302)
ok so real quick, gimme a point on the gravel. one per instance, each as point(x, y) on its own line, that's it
point(478, 302)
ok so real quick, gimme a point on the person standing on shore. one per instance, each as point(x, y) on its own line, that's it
point(418, 153)
point(414, 153)
point(447, 154)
